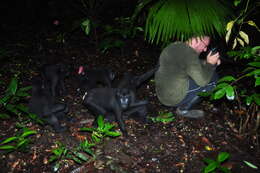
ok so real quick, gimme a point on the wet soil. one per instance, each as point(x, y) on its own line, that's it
point(178, 146)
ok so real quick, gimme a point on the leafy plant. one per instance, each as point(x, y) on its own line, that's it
point(114, 35)
point(179, 20)
point(61, 154)
point(213, 165)
point(164, 117)
point(231, 88)
point(103, 130)
point(12, 101)
point(234, 27)
point(19, 142)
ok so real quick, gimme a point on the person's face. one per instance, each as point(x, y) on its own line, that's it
point(201, 44)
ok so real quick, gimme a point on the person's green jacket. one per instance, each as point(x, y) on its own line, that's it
point(177, 63)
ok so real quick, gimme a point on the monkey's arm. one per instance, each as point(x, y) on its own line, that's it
point(142, 78)
point(139, 103)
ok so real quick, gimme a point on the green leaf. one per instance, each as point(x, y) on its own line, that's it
point(257, 81)
point(88, 129)
point(81, 156)
point(226, 79)
point(255, 64)
point(12, 86)
point(100, 121)
point(208, 160)
point(77, 160)
point(219, 94)
point(255, 72)
point(23, 142)
point(211, 167)
point(223, 156)
point(249, 100)
point(113, 134)
point(10, 139)
point(4, 116)
point(221, 85)
point(230, 94)
point(7, 147)
point(53, 158)
point(250, 165)
point(27, 133)
point(237, 2)
point(256, 98)
point(224, 169)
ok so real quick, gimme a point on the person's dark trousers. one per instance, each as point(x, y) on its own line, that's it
point(192, 97)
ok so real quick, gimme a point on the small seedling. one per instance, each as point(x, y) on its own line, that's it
point(213, 165)
point(19, 142)
point(164, 117)
point(103, 130)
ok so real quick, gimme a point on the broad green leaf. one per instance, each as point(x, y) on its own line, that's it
point(7, 147)
point(256, 98)
point(255, 64)
point(222, 156)
point(255, 72)
point(208, 160)
point(230, 94)
point(226, 78)
point(219, 94)
point(9, 140)
point(211, 167)
point(222, 85)
point(13, 86)
point(250, 165)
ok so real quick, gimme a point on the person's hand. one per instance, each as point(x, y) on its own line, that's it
point(213, 59)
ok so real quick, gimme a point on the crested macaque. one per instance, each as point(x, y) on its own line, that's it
point(93, 78)
point(53, 76)
point(43, 104)
point(114, 103)
point(132, 82)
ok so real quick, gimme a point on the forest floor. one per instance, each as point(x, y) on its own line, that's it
point(178, 146)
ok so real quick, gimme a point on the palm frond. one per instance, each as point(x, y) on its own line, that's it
point(181, 19)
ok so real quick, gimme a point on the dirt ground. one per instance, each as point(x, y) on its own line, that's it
point(178, 146)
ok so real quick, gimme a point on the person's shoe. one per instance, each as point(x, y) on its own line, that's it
point(193, 113)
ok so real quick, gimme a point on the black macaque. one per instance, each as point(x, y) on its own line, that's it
point(132, 82)
point(42, 103)
point(114, 103)
point(53, 76)
point(93, 78)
